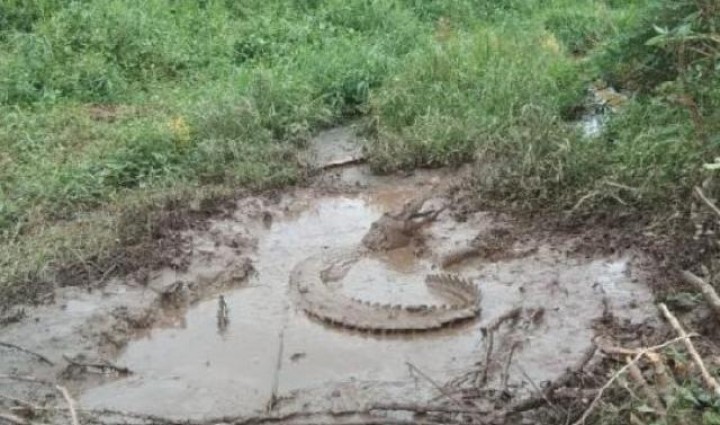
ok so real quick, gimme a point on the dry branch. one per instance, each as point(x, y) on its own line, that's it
point(488, 356)
point(506, 371)
point(622, 370)
point(488, 333)
point(70, 402)
point(26, 351)
point(664, 380)
point(705, 288)
point(650, 394)
point(710, 382)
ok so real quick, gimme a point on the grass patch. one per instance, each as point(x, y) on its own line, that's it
point(105, 101)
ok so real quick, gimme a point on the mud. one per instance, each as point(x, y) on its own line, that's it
point(270, 353)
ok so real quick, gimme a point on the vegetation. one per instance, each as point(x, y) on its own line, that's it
point(115, 112)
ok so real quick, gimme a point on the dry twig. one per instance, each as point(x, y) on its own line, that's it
point(622, 370)
point(664, 380)
point(705, 288)
point(710, 382)
point(488, 332)
point(488, 357)
point(70, 402)
point(650, 394)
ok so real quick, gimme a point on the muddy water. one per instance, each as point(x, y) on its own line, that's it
point(195, 369)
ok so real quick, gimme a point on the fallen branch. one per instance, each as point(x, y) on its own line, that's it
point(506, 371)
point(26, 351)
point(488, 356)
point(622, 370)
point(70, 402)
point(121, 370)
point(664, 380)
point(488, 332)
point(650, 394)
point(705, 288)
point(710, 382)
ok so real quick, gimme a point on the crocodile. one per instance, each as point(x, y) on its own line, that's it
point(314, 282)
point(394, 231)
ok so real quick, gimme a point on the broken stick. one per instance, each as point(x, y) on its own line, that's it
point(705, 288)
point(70, 402)
point(664, 380)
point(710, 382)
point(488, 332)
point(622, 370)
point(652, 396)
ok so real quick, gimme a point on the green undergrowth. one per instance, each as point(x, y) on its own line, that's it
point(105, 101)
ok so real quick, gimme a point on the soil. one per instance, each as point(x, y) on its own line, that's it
point(220, 339)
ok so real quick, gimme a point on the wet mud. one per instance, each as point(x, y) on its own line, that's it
point(194, 356)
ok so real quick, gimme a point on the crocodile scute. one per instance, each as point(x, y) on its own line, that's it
point(322, 299)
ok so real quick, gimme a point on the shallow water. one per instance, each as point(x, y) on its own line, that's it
point(193, 369)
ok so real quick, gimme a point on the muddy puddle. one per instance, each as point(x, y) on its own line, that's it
point(269, 352)
point(270, 347)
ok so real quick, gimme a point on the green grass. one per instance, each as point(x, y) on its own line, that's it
point(105, 101)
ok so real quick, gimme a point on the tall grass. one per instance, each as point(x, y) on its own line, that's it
point(101, 101)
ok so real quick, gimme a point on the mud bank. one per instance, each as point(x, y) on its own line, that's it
point(191, 359)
